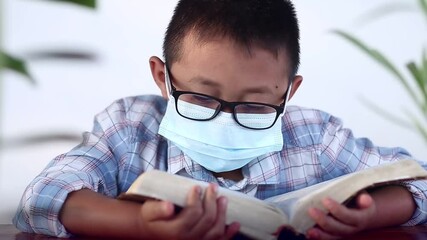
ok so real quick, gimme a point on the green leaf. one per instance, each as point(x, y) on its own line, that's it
point(83, 3)
point(424, 67)
point(384, 10)
point(15, 64)
point(421, 129)
point(385, 114)
point(417, 74)
point(379, 58)
point(413, 124)
point(423, 5)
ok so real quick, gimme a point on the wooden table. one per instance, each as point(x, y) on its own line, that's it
point(9, 232)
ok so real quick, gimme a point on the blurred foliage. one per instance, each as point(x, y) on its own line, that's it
point(83, 3)
point(15, 64)
point(31, 140)
point(18, 65)
point(415, 86)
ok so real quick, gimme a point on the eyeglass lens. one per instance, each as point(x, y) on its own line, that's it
point(200, 107)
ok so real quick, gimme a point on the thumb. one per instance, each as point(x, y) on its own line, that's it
point(364, 200)
point(157, 210)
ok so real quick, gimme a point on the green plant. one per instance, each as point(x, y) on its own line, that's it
point(15, 64)
point(415, 86)
point(19, 65)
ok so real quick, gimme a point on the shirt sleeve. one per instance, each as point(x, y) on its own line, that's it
point(92, 165)
point(342, 153)
point(419, 192)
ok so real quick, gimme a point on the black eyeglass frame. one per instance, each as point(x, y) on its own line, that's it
point(231, 105)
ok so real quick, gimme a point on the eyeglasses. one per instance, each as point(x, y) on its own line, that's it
point(202, 107)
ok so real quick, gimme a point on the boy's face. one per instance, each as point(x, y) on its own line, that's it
point(225, 70)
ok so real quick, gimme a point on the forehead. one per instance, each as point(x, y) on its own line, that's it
point(222, 51)
point(225, 69)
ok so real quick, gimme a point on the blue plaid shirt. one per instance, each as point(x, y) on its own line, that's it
point(124, 143)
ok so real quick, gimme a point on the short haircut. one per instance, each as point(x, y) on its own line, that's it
point(269, 24)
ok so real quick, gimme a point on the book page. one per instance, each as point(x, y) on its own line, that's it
point(296, 204)
point(258, 219)
point(285, 202)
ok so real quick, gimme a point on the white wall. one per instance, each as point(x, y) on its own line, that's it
point(126, 33)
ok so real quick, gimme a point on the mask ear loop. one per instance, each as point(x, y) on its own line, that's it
point(288, 94)
point(168, 81)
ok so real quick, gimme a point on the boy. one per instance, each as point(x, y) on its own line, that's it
point(230, 68)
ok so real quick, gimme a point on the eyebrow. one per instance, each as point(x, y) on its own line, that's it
point(212, 83)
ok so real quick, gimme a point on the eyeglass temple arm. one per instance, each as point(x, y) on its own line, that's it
point(168, 81)
point(288, 94)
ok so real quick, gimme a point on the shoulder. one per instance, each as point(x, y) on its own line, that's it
point(135, 108)
point(306, 126)
point(144, 111)
point(296, 115)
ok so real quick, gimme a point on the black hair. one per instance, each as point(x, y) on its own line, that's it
point(269, 24)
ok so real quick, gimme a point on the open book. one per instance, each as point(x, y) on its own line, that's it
point(265, 219)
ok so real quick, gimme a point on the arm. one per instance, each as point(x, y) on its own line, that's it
point(382, 207)
point(394, 206)
point(105, 162)
point(91, 214)
point(341, 153)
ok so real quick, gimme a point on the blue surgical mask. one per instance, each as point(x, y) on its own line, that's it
point(219, 144)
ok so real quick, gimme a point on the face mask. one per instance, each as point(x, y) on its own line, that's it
point(219, 144)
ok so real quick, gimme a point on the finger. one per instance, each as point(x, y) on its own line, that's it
point(157, 210)
point(364, 201)
point(217, 229)
point(220, 230)
point(330, 224)
point(205, 225)
point(316, 233)
point(191, 213)
point(232, 230)
point(349, 216)
point(352, 216)
point(154, 216)
point(340, 212)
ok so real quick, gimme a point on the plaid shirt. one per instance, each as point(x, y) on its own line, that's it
point(124, 143)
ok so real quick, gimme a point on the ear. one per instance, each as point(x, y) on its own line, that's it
point(157, 67)
point(295, 85)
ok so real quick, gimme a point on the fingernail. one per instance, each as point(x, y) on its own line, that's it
point(328, 203)
point(167, 207)
point(223, 201)
point(214, 188)
point(312, 234)
point(198, 190)
point(313, 212)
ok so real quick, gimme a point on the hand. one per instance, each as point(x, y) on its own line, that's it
point(200, 219)
point(341, 220)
